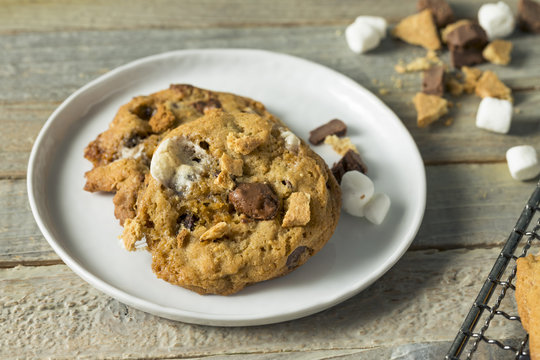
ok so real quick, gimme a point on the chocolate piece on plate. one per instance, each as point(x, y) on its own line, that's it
point(333, 127)
point(433, 81)
point(349, 162)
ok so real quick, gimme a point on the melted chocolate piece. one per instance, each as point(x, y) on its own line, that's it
point(204, 106)
point(349, 162)
point(144, 112)
point(466, 57)
point(255, 200)
point(294, 257)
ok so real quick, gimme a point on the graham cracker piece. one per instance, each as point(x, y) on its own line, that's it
point(230, 165)
point(471, 78)
point(447, 30)
point(181, 237)
point(454, 87)
point(419, 29)
point(298, 213)
point(489, 85)
point(429, 108)
point(498, 52)
point(528, 299)
point(215, 232)
point(340, 145)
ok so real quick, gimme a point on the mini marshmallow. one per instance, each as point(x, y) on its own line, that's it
point(362, 37)
point(356, 190)
point(376, 22)
point(496, 19)
point(377, 208)
point(494, 115)
point(523, 162)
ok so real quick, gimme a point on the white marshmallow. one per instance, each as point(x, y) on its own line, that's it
point(494, 115)
point(376, 22)
point(356, 190)
point(362, 37)
point(292, 142)
point(496, 19)
point(377, 208)
point(523, 162)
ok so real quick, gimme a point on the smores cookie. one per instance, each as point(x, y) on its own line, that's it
point(121, 155)
point(233, 199)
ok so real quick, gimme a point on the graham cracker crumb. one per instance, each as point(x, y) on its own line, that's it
point(215, 232)
point(384, 91)
point(429, 108)
point(419, 64)
point(454, 86)
point(418, 29)
point(340, 145)
point(298, 212)
point(498, 52)
point(449, 121)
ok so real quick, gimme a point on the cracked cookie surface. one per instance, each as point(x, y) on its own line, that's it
point(121, 155)
point(231, 202)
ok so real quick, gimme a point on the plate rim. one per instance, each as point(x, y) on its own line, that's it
point(206, 318)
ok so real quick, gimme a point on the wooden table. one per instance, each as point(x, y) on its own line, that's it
point(50, 48)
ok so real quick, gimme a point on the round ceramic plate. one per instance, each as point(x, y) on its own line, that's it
point(81, 227)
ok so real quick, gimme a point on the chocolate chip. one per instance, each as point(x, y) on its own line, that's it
point(204, 145)
point(333, 127)
point(204, 106)
point(256, 200)
point(287, 183)
point(466, 57)
point(433, 81)
point(133, 141)
point(182, 88)
point(294, 257)
point(442, 12)
point(349, 162)
point(467, 36)
point(144, 112)
point(188, 220)
point(529, 16)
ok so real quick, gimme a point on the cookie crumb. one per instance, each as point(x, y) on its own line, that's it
point(215, 232)
point(181, 237)
point(489, 85)
point(429, 108)
point(498, 52)
point(298, 212)
point(340, 145)
point(419, 29)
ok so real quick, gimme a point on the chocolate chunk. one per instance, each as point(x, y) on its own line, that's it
point(204, 145)
point(132, 141)
point(256, 200)
point(349, 162)
point(182, 88)
point(466, 57)
point(188, 220)
point(294, 257)
point(144, 112)
point(467, 36)
point(442, 12)
point(433, 81)
point(204, 106)
point(529, 16)
point(334, 127)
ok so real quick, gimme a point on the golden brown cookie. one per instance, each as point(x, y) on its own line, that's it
point(136, 130)
point(528, 300)
point(233, 199)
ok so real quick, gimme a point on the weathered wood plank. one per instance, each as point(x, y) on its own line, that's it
point(467, 206)
point(38, 70)
point(422, 299)
point(54, 15)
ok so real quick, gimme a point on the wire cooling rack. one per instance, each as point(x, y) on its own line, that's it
point(473, 339)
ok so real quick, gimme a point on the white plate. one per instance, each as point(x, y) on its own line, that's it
point(81, 227)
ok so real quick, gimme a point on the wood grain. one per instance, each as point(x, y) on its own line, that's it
point(54, 15)
point(37, 71)
point(412, 303)
point(467, 206)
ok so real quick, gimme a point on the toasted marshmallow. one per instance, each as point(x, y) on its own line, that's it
point(356, 189)
point(377, 208)
point(496, 19)
point(523, 162)
point(494, 115)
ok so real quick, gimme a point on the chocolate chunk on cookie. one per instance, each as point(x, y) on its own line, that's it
point(333, 127)
point(256, 200)
point(213, 239)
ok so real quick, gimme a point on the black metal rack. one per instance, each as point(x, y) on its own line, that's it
point(500, 279)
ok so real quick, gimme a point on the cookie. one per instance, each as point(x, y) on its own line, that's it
point(233, 200)
point(528, 299)
point(136, 130)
